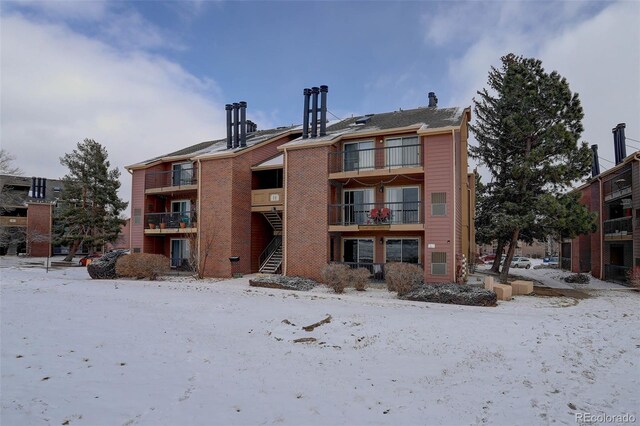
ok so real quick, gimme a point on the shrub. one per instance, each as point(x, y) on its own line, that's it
point(454, 294)
point(633, 277)
point(402, 277)
point(142, 265)
point(336, 276)
point(577, 278)
point(360, 278)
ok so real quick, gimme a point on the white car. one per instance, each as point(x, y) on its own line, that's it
point(521, 262)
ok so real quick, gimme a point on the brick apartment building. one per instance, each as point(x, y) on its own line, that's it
point(365, 190)
point(26, 214)
point(614, 248)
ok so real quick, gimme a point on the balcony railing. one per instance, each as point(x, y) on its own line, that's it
point(616, 272)
point(391, 157)
point(376, 213)
point(618, 186)
point(170, 220)
point(171, 178)
point(620, 226)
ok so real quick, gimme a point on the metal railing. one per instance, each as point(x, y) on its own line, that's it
point(391, 157)
point(171, 178)
point(617, 186)
point(377, 270)
point(180, 263)
point(171, 220)
point(269, 250)
point(376, 213)
point(619, 226)
point(616, 272)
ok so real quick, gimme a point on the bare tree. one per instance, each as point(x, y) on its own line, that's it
point(6, 164)
point(198, 260)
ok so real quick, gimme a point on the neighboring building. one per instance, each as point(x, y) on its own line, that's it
point(614, 248)
point(365, 191)
point(536, 250)
point(26, 214)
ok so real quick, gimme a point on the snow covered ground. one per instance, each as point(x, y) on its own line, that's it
point(181, 352)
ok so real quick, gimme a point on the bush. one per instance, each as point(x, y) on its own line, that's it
point(633, 277)
point(336, 276)
point(360, 278)
point(403, 277)
point(577, 278)
point(453, 294)
point(142, 265)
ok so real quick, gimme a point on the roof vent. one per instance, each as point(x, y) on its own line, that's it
point(364, 120)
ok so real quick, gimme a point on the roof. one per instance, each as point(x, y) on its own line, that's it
point(21, 186)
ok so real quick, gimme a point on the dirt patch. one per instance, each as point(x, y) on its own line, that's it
point(558, 292)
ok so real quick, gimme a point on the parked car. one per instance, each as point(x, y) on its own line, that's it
point(89, 258)
point(521, 262)
point(488, 258)
point(551, 261)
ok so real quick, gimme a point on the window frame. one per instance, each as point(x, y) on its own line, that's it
point(416, 238)
point(365, 238)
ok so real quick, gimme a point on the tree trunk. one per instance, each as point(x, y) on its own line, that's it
point(507, 261)
point(72, 251)
point(496, 262)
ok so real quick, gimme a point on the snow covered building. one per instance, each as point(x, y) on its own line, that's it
point(614, 248)
point(385, 187)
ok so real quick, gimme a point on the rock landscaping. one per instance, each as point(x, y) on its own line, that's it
point(452, 294)
point(283, 283)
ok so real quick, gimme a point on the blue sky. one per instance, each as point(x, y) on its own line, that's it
point(146, 78)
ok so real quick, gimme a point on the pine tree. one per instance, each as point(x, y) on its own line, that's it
point(528, 129)
point(89, 209)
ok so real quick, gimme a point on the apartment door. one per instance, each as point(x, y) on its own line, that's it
point(358, 250)
point(182, 174)
point(404, 203)
point(402, 152)
point(179, 253)
point(359, 156)
point(357, 205)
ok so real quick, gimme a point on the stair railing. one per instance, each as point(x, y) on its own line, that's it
point(270, 250)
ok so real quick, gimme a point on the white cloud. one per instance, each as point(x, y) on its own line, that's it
point(59, 87)
point(597, 52)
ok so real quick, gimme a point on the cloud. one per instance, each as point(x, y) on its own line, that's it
point(593, 45)
point(59, 87)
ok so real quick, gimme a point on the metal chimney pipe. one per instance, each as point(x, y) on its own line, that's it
point(323, 110)
point(243, 124)
point(33, 187)
point(622, 141)
point(433, 100)
point(314, 111)
point(305, 116)
point(595, 163)
point(43, 193)
point(236, 125)
point(228, 108)
point(38, 187)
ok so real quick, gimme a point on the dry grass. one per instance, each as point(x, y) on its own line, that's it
point(402, 277)
point(335, 276)
point(142, 265)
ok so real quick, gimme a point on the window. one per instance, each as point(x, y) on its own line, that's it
point(404, 203)
point(358, 250)
point(402, 250)
point(438, 263)
point(137, 216)
point(136, 249)
point(402, 152)
point(357, 206)
point(438, 204)
point(358, 156)
point(182, 174)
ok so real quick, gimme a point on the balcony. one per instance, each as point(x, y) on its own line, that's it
point(406, 216)
point(170, 223)
point(267, 199)
point(13, 221)
point(171, 181)
point(618, 229)
point(618, 186)
point(403, 159)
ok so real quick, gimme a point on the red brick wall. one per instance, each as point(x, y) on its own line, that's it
point(596, 237)
point(307, 189)
point(137, 202)
point(39, 229)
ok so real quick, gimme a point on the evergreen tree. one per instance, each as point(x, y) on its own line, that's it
point(528, 129)
point(89, 208)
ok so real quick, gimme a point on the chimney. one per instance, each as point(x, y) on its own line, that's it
point(323, 110)
point(236, 136)
point(38, 187)
point(305, 117)
point(251, 126)
point(43, 192)
point(314, 111)
point(228, 108)
point(595, 163)
point(433, 100)
point(243, 124)
point(33, 187)
point(619, 143)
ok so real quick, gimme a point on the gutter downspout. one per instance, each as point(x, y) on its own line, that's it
point(454, 213)
point(199, 218)
point(130, 219)
point(284, 214)
point(600, 203)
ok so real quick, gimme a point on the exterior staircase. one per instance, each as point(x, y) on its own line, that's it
point(274, 219)
point(271, 257)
